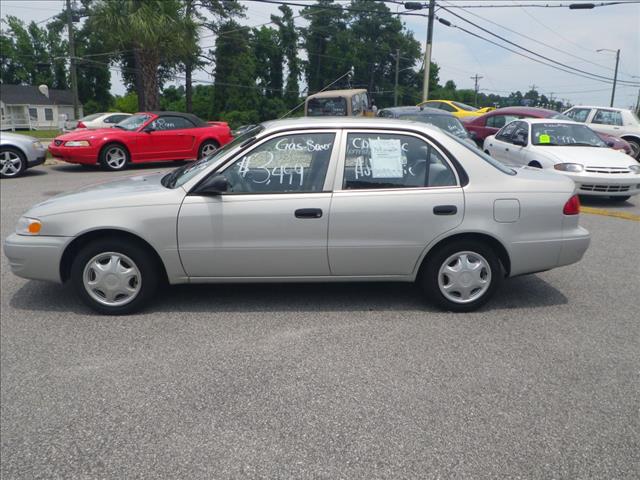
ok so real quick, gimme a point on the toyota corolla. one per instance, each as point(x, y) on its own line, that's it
point(309, 200)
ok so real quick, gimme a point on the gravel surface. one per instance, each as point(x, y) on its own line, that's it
point(325, 381)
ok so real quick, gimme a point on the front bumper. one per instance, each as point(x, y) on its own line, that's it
point(39, 160)
point(36, 258)
point(81, 155)
point(606, 184)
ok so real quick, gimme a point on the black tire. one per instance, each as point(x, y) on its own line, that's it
point(146, 264)
point(108, 157)
point(18, 162)
point(428, 279)
point(635, 146)
point(620, 199)
point(206, 145)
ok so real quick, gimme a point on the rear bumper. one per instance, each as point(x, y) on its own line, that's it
point(82, 155)
point(36, 258)
point(574, 246)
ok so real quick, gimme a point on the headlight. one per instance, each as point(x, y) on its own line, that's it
point(37, 144)
point(635, 168)
point(569, 167)
point(77, 143)
point(28, 226)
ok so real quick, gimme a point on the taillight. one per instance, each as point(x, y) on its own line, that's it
point(572, 207)
point(81, 125)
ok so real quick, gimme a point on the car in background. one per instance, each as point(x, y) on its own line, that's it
point(571, 149)
point(19, 152)
point(338, 103)
point(143, 137)
point(308, 199)
point(457, 109)
point(97, 120)
point(621, 122)
point(441, 119)
point(489, 124)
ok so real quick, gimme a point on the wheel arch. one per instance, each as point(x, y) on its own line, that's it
point(489, 240)
point(14, 147)
point(85, 238)
point(627, 136)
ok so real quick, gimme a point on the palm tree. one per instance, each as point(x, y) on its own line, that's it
point(157, 33)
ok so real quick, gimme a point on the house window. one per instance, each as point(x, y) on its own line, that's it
point(48, 114)
point(33, 114)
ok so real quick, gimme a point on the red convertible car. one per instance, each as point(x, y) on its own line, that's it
point(488, 124)
point(143, 137)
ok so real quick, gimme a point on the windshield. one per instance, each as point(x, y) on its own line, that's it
point(134, 122)
point(329, 106)
point(464, 106)
point(182, 175)
point(564, 134)
point(444, 122)
point(561, 116)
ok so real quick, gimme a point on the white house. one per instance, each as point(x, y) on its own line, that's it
point(26, 106)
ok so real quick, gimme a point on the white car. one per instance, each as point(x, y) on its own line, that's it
point(98, 120)
point(619, 122)
point(571, 149)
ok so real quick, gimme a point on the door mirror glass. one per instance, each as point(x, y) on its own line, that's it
point(214, 185)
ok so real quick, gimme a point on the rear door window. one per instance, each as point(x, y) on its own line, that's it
point(607, 117)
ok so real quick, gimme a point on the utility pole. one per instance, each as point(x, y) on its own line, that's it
point(615, 77)
point(427, 51)
point(476, 77)
point(72, 63)
point(395, 88)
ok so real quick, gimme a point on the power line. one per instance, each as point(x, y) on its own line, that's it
point(584, 72)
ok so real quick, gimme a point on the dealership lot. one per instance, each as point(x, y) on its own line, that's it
point(329, 380)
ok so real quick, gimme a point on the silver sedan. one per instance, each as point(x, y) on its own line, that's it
point(309, 200)
point(19, 152)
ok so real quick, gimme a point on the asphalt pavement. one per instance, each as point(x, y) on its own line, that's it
point(353, 381)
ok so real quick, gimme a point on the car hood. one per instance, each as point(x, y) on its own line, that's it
point(88, 134)
point(132, 191)
point(588, 156)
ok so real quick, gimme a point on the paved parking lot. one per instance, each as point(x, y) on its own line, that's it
point(325, 381)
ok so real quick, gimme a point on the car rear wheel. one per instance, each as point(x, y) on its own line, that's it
point(207, 148)
point(114, 276)
point(114, 157)
point(12, 162)
point(461, 276)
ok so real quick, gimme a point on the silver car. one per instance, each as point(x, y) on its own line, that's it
point(330, 199)
point(19, 152)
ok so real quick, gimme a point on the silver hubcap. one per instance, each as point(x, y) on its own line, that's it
point(112, 279)
point(10, 163)
point(116, 158)
point(207, 150)
point(464, 277)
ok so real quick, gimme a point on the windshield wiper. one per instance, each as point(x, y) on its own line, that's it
point(582, 144)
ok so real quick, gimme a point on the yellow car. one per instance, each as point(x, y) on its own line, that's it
point(457, 109)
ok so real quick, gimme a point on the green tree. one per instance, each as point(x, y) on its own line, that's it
point(269, 59)
point(288, 44)
point(156, 31)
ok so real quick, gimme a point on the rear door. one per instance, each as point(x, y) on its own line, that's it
point(274, 219)
point(394, 194)
point(607, 121)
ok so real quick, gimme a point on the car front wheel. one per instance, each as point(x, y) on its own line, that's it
point(114, 157)
point(207, 148)
point(461, 276)
point(12, 162)
point(114, 276)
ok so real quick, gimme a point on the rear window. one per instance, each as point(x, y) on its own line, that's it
point(327, 107)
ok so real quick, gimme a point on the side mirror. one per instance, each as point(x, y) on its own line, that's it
point(610, 143)
point(148, 129)
point(215, 185)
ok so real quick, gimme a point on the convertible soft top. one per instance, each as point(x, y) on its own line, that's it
point(198, 122)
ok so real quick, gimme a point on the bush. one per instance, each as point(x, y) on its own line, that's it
point(236, 119)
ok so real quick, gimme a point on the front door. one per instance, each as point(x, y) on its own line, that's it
point(169, 138)
point(394, 194)
point(273, 221)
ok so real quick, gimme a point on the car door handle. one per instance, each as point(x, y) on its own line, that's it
point(445, 210)
point(308, 213)
point(506, 149)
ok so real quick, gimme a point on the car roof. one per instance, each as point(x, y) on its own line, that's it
point(337, 93)
point(189, 116)
point(534, 121)
point(600, 107)
point(348, 122)
point(521, 111)
point(414, 109)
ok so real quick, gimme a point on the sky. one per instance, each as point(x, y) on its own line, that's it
point(568, 36)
